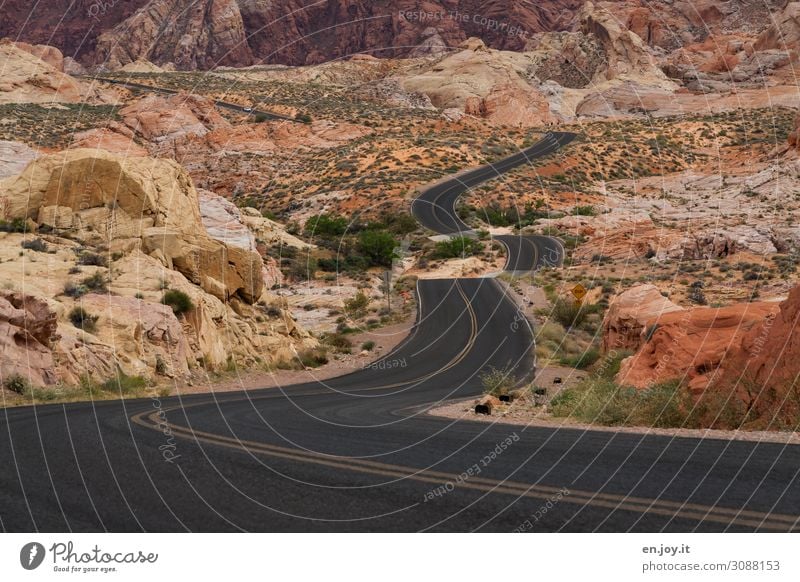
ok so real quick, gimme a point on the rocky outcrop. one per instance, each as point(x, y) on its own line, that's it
point(28, 79)
point(485, 83)
point(784, 33)
point(166, 119)
point(49, 54)
point(626, 53)
point(132, 201)
point(691, 345)
point(114, 137)
point(794, 135)
point(207, 33)
point(190, 34)
point(14, 156)
point(763, 370)
point(142, 225)
point(630, 314)
point(27, 332)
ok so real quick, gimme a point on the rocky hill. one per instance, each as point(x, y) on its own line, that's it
point(208, 33)
point(111, 265)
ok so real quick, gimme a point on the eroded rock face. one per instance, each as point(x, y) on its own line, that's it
point(14, 156)
point(630, 314)
point(626, 53)
point(106, 198)
point(784, 33)
point(28, 79)
point(27, 332)
point(762, 371)
point(208, 33)
point(190, 34)
point(166, 119)
point(690, 345)
point(483, 83)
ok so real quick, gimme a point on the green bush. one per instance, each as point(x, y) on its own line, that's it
point(569, 313)
point(96, 283)
point(16, 383)
point(313, 358)
point(357, 305)
point(124, 384)
point(92, 259)
point(37, 245)
point(73, 290)
point(81, 319)
point(582, 360)
point(378, 246)
point(368, 345)
point(179, 301)
point(497, 382)
point(326, 226)
point(339, 342)
point(457, 247)
point(15, 225)
point(601, 401)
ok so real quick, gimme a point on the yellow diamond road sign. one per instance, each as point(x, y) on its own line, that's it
point(579, 291)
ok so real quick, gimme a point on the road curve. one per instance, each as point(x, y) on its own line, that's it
point(435, 207)
point(223, 104)
point(358, 453)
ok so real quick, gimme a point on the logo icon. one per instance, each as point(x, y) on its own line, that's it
point(31, 555)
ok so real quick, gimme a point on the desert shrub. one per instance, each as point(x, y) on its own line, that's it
point(457, 247)
point(179, 301)
point(313, 358)
point(357, 305)
point(92, 259)
point(584, 211)
point(338, 342)
point(601, 401)
point(497, 382)
point(73, 290)
point(96, 283)
point(81, 319)
point(124, 384)
point(569, 313)
point(14, 225)
point(304, 117)
point(378, 246)
point(583, 360)
point(368, 345)
point(36, 245)
point(16, 383)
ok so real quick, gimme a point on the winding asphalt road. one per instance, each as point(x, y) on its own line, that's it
point(359, 453)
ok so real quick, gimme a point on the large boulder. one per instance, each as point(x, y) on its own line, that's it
point(626, 53)
point(763, 370)
point(630, 314)
point(27, 78)
point(103, 198)
point(165, 119)
point(27, 332)
point(690, 345)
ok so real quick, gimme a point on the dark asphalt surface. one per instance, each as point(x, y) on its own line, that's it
point(358, 453)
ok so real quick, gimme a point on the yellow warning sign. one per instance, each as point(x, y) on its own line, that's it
point(579, 291)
